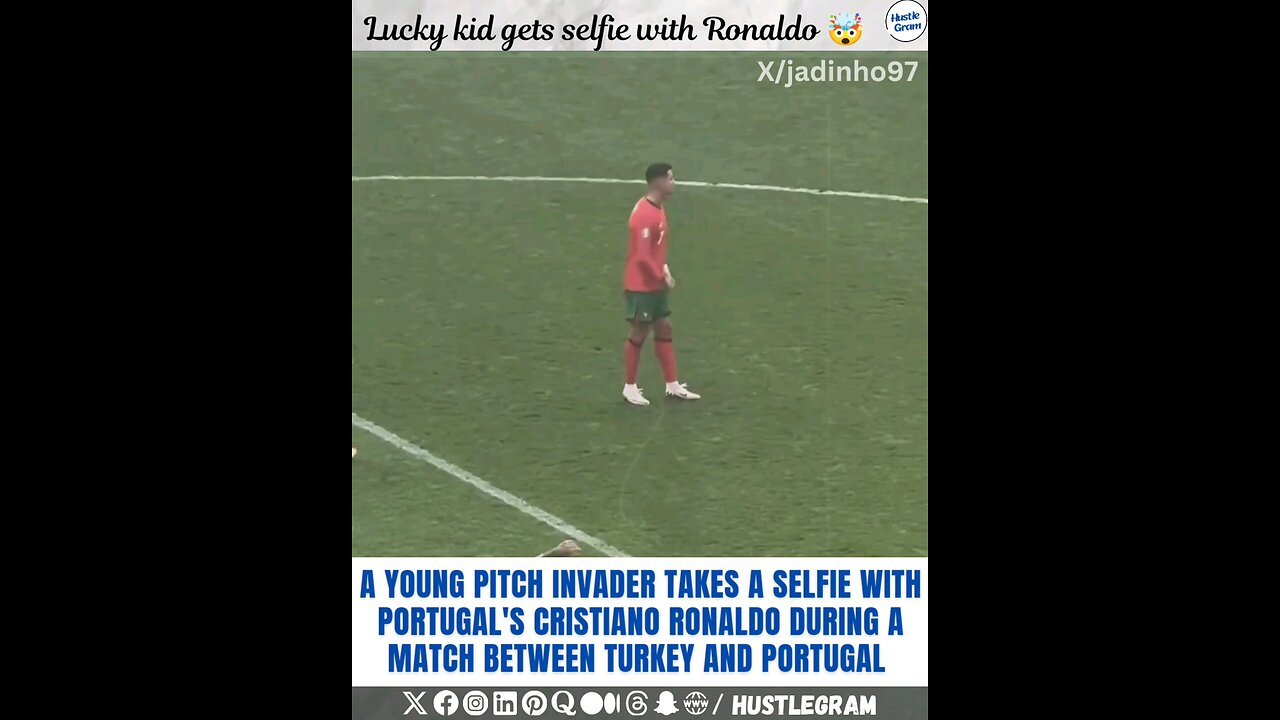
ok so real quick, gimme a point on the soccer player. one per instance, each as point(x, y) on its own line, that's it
point(353, 452)
point(647, 284)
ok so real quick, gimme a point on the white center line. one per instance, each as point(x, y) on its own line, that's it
point(638, 184)
point(458, 473)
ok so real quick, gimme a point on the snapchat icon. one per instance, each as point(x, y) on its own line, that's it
point(845, 28)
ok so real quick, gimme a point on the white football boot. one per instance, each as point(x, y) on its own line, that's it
point(634, 395)
point(678, 390)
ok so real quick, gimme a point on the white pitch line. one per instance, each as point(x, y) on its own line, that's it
point(440, 463)
point(615, 181)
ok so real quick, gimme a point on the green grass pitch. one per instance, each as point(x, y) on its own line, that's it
point(486, 317)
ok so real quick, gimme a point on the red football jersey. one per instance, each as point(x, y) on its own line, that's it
point(647, 248)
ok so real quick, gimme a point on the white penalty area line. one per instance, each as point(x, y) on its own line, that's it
point(615, 181)
point(476, 482)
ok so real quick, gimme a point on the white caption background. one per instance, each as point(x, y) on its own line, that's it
point(905, 657)
point(633, 12)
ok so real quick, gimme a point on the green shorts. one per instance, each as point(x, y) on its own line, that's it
point(647, 306)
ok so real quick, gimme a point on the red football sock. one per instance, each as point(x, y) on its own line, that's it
point(666, 352)
point(632, 358)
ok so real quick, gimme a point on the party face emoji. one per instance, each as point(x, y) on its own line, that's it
point(845, 28)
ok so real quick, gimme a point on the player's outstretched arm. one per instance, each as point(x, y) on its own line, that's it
point(568, 548)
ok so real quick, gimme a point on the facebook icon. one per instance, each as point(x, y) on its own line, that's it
point(446, 703)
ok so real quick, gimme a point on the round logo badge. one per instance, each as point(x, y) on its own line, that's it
point(906, 20)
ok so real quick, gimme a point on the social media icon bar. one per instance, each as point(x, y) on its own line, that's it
point(566, 703)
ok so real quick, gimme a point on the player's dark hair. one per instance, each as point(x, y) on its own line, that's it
point(656, 170)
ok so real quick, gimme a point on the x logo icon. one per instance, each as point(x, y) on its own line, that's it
point(415, 703)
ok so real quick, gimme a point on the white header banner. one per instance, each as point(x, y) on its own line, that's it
point(640, 25)
point(643, 622)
